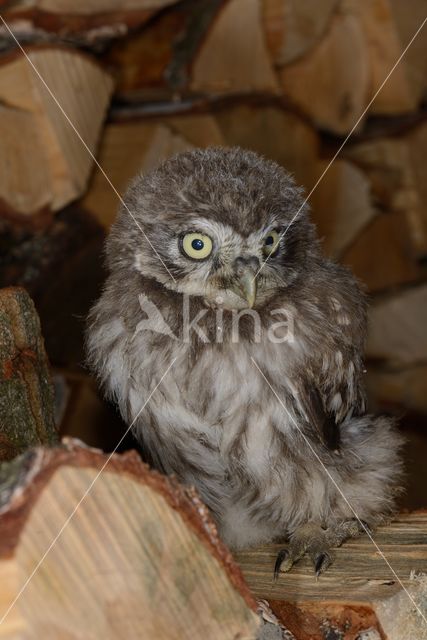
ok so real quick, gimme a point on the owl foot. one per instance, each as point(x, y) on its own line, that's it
point(317, 542)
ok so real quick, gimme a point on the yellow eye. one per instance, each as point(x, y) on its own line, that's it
point(271, 243)
point(197, 245)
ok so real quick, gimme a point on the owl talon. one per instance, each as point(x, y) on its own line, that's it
point(283, 562)
point(317, 541)
point(321, 562)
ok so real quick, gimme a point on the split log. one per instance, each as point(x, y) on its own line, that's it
point(415, 61)
point(397, 331)
point(293, 28)
point(154, 63)
point(26, 392)
point(139, 557)
point(82, 22)
point(416, 145)
point(129, 147)
point(398, 182)
point(277, 134)
point(234, 57)
point(384, 48)
point(389, 251)
point(342, 205)
point(47, 166)
point(331, 83)
point(357, 593)
point(381, 256)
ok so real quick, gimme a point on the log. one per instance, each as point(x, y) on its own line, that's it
point(416, 144)
point(384, 48)
point(389, 251)
point(415, 62)
point(397, 328)
point(381, 256)
point(398, 181)
point(279, 135)
point(26, 392)
point(139, 558)
point(233, 57)
point(342, 205)
point(129, 147)
point(357, 593)
point(293, 28)
point(154, 63)
point(47, 166)
point(336, 71)
point(94, 23)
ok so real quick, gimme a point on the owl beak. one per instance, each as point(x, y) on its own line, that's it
point(247, 282)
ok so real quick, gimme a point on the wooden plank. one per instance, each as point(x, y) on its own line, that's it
point(358, 574)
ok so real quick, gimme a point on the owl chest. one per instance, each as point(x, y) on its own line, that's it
point(239, 398)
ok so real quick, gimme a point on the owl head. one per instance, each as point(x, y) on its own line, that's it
point(215, 223)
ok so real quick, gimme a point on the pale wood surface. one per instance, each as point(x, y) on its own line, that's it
point(331, 83)
point(384, 48)
point(140, 559)
point(358, 574)
point(234, 56)
point(293, 27)
point(128, 148)
point(342, 204)
point(55, 164)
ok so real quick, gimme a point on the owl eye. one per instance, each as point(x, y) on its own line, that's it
point(196, 246)
point(271, 243)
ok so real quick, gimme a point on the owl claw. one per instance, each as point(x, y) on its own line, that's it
point(317, 541)
point(283, 562)
point(321, 562)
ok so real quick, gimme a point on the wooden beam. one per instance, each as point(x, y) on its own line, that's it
point(358, 591)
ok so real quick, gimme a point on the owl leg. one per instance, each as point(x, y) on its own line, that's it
point(317, 542)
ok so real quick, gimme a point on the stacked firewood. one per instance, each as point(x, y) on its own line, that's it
point(93, 91)
point(286, 78)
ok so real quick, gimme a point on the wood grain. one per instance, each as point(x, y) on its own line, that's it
point(358, 575)
point(139, 559)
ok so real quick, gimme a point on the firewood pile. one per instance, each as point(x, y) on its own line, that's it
point(286, 78)
point(91, 92)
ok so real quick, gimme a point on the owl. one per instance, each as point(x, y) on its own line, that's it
point(234, 349)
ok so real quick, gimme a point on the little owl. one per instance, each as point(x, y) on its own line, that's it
point(215, 272)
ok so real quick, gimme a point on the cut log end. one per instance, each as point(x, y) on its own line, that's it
point(137, 556)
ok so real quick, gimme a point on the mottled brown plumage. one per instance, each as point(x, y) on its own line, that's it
point(251, 417)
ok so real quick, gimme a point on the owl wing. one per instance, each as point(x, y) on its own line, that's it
point(332, 388)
